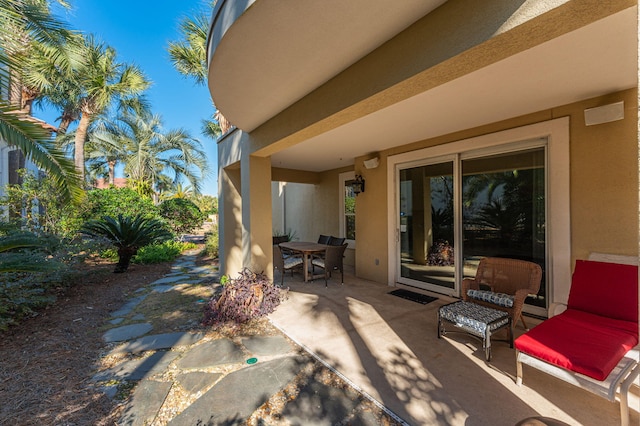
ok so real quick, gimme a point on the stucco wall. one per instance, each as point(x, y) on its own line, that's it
point(604, 179)
point(309, 210)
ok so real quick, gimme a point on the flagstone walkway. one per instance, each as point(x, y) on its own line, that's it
point(221, 381)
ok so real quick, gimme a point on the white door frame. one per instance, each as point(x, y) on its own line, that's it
point(558, 201)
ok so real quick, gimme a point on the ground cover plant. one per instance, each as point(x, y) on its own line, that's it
point(249, 296)
point(30, 266)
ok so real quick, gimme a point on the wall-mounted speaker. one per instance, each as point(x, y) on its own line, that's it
point(372, 163)
point(604, 114)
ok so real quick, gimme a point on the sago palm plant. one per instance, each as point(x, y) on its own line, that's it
point(127, 234)
point(22, 252)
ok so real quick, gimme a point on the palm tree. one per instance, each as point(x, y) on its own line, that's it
point(51, 79)
point(23, 24)
point(104, 150)
point(128, 234)
point(103, 80)
point(180, 191)
point(189, 57)
point(154, 155)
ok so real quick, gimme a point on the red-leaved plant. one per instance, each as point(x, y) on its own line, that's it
point(250, 295)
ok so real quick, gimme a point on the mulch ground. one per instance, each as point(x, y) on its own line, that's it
point(46, 362)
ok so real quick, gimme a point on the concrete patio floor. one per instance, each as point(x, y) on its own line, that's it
point(388, 347)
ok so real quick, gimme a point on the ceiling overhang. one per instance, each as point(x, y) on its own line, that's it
point(266, 55)
point(594, 60)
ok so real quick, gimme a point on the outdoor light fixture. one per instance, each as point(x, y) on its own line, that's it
point(358, 185)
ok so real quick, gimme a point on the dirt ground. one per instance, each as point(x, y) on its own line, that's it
point(46, 362)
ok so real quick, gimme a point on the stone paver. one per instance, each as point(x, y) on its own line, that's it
point(128, 307)
point(197, 381)
point(202, 270)
point(126, 332)
point(234, 398)
point(319, 405)
point(267, 345)
point(163, 288)
point(212, 354)
point(145, 403)
point(138, 369)
point(159, 341)
point(171, 279)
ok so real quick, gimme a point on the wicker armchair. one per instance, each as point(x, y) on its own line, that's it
point(330, 260)
point(503, 284)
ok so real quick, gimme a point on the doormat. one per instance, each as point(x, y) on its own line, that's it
point(413, 296)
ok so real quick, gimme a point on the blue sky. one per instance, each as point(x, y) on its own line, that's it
point(140, 31)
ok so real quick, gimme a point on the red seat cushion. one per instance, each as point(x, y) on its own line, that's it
point(581, 342)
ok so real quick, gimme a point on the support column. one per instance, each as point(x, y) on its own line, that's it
point(257, 238)
point(638, 132)
point(229, 221)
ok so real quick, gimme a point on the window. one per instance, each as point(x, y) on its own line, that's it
point(347, 207)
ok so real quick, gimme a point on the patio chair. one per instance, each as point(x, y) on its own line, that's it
point(593, 343)
point(285, 262)
point(336, 241)
point(330, 260)
point(503, 284)
point(323, 239)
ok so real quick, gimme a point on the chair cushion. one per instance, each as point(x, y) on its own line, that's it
point(318, 262)
point(606, 289)
point(581, 342)
point(292, 262)
point(499, 299)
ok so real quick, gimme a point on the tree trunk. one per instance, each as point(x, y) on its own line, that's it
point(27, 98)
point(67, 118)
point(112, 172)
point(80, 138)
point(124, 259)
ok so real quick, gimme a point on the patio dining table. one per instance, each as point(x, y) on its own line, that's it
point(307, 249)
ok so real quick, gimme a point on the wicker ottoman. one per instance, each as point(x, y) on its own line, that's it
point(476, 320)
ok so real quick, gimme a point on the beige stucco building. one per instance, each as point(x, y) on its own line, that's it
point(440, 95)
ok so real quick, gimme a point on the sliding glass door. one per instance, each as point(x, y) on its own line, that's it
point(503, 209)
point(453, 213)
point(427, 226)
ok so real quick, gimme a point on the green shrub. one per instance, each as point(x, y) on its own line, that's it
point(207, 204)
point(182, 215)
point(117, 201)
point(160, 253)
point(211, 243)
point(35, 206)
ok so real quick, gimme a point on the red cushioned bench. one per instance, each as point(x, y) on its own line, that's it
point(593, 344)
